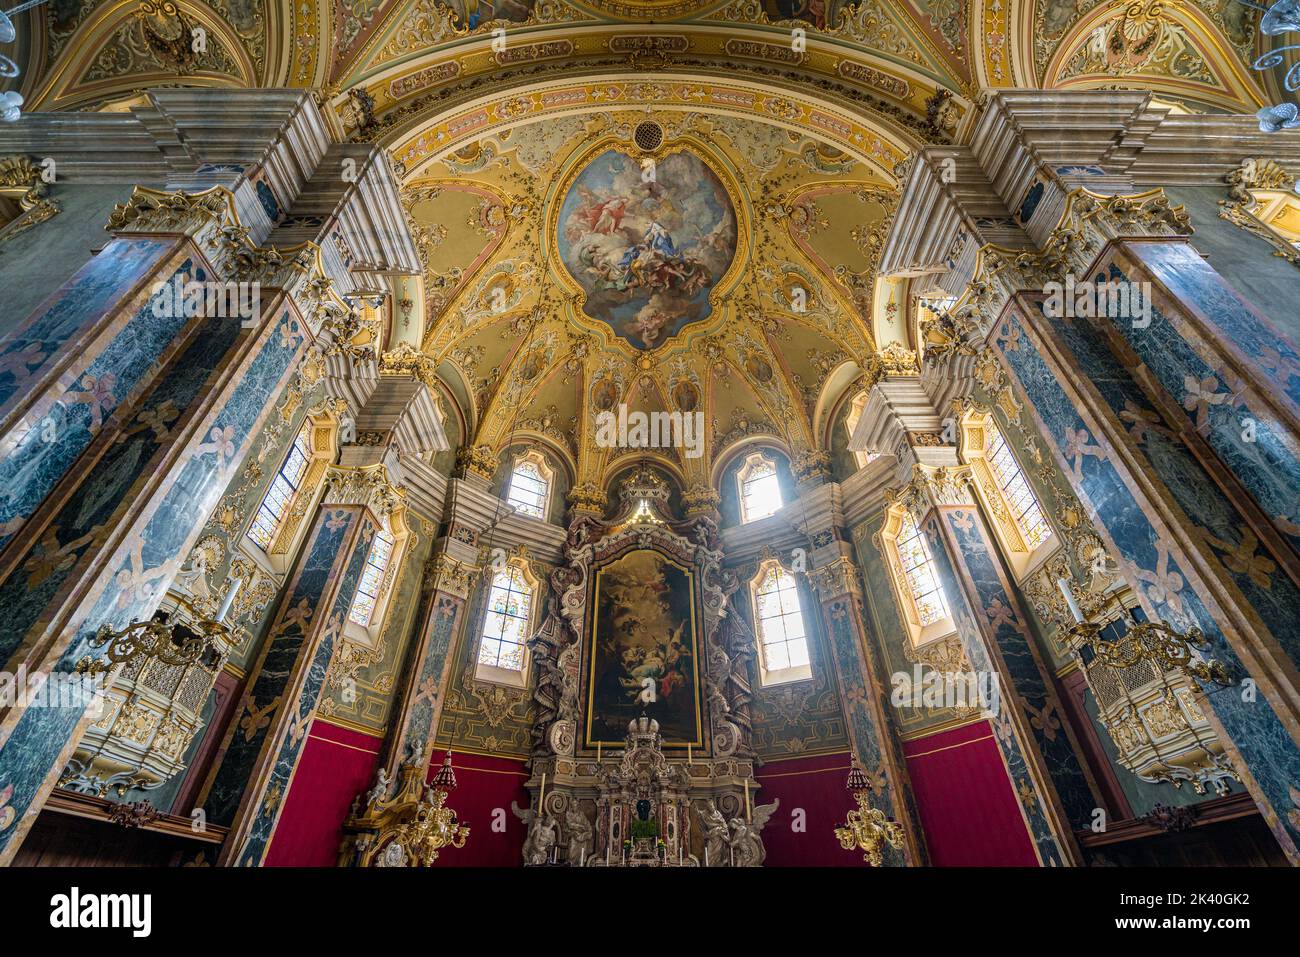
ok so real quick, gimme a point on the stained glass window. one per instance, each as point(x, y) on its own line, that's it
point(505, 626)
point(918, 569)
point(760, 492)
point(528, 489)
point(372, 579)
point(780, 621)
point(275, 504)
point(1020, 498)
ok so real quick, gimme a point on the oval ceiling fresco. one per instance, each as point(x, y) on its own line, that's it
point(647, 244)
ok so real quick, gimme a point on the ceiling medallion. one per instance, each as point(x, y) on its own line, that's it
point(647, 239)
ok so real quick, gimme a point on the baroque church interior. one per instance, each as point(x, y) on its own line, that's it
point(650, 433)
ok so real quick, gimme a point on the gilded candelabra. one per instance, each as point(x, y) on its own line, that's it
point(868, 829)
point(434, 825)
point(411, 827)
point(158, 639)
point(1156, 642)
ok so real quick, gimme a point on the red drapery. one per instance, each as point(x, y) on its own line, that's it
point(968, 809)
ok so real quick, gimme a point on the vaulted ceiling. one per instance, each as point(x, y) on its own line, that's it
point(777, 130)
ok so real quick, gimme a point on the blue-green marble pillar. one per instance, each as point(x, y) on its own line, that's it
point(1194, 557)
point(865, 700)
point(246, 792)
point(428, 669)
point(1027, 724)
point(103, 550)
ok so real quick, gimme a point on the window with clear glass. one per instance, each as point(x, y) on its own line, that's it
point(1020, 498)
point(505, 625)
point(782, 639)
point(275, 504)
point(372, 579)
point(851, 420)
point(760, 491)
point(918, 570)
point(528, 488)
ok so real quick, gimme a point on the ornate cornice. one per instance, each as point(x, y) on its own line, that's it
point(405, 360)
point(211, 220)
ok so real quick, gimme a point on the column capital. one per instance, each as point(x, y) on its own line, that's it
point(837, 578)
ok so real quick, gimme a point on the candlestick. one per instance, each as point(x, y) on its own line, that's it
point(1068, 594)
point(229, 600)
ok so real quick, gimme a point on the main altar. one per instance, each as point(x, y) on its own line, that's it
point(641, 754)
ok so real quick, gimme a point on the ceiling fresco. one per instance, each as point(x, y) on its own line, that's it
point(647, 240)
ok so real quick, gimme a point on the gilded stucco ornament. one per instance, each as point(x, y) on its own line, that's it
point(1242, 203)
point(20, 180)
point(476, 460)
point(405, 360)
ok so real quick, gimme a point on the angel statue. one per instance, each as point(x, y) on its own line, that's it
point(542, 834)
point(582, 836)
point(379, 790)
point(735, 843)
point(744, 842)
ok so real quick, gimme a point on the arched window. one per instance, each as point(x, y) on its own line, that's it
point(284, 487)
point(760, 491)
point(851, 420)
point(778, 621)
point(922, 603)
point(1018, 521)
point(280, 523)
point(503, 650)
point(530, 485)
point(372, 580)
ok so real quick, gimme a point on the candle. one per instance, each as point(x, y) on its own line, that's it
point(582, 858)
point(598, 752)
point(229, 600)
point(689, 758)
point(609, 849)
point(541, 801)
point(1064, 585)
point(749, 814)
point(706, 855)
